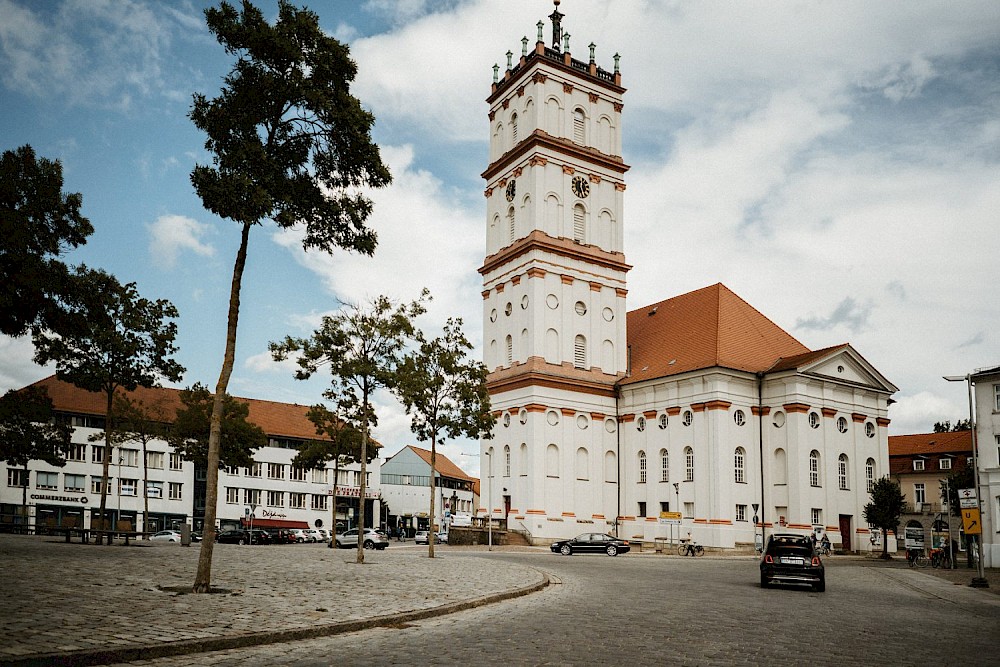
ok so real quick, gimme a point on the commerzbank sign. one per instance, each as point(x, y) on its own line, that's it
point(65, 499)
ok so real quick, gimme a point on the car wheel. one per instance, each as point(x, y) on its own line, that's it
point(369, 544)
point(612, 550)
point(566, 550)
point(763, 580)
point(241, 542)
point(820, 586)
point(382, 548)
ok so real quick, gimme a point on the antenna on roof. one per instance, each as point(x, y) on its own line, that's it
point(653, 312)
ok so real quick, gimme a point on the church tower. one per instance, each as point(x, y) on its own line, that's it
point(554, 289)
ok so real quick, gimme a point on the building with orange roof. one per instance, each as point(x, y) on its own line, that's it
point(697, 404)
point(405, 484)
point(278, 494)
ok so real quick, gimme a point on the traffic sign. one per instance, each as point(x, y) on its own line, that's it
point(970, 522)
point(670, 518)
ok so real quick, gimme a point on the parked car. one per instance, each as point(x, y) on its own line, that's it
point(314, 535)
point(441, 538)
point(791, 559)
point(372, 539)
point(233, 536)
point(591, 543)
point(284, 536)
point(421, 537)
point(166, 536)
point(324, 534)
point(261, 536)
point(299, 535)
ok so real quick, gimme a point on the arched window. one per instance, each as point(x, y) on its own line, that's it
point(870, 474)
point(779, 470)
point(739, 465)
point(814, 468)
point(510, 350)
point(582, 464)
point(522, 461)
point(513, 128)
point(506, 460)
point(579, 223)
point(814, 420)
point(579, 126)
point(688, 464)
point(842, 478)
point(664, 466)
point(642, 467)
point(552, 461)
point(580, 352)
point(510, 223)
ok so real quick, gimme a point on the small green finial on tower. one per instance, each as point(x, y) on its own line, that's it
point(524, 46)
point(510, 59)
point(496, 73)
point(592, 47)
point(566, 42)
point(541, 27)
point(617, 59)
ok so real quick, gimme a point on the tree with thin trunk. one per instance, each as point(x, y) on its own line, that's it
point(189, 434)
point(339, 443)
point(885, 510)
point(28, 432)
point(138, 421)
point(444, 393)
point(289, 143)
point(121, 341)
point(38, 224)
point(362, 348)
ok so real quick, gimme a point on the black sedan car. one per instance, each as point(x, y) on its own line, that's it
point(243, 536)
point(791, 559)
point(591, 543)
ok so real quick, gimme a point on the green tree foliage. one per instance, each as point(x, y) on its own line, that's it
point(444, 393)
point(885, 509)
point(362, 347)
point(189, 434)
point(122, 341)
point(289, 143)
point(959, 479)
point(29, 433)
point(946, 426)
point(38, 224)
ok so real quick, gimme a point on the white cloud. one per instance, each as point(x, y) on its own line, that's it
point(17, 369)
point(169, 234)
point(917, 413)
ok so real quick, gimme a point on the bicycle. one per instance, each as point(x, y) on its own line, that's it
point(939, 558)
point(916, 558)
point(691, 549)
point(823, 550)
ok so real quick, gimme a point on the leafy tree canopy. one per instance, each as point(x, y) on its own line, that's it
point(340, 444)
point(27, 430)
point(959, 479)
point(138, 421)
point(886, 507)
point(947, 426)
point(190, 431)
point(38, 224)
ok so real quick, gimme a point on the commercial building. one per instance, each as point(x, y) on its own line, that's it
point(405, 485)
point(986, 384)
point(273, 490)
point(698, 404)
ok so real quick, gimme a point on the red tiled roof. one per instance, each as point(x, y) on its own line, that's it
point(708, 327)
point(275, 419)
point(952, 442)
point(791, 363)
point(444, 465)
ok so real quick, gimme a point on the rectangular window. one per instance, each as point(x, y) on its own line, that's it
point(664, 506)
point(128, 457)
point(46, 480)
point(297, 501)
point(817, 516)
point(319, 476)
point(945, 464)
point(176, 489)
point(154, 489)
point(642, 510)
point(254, 470)
point(154, 460)
point(275, 471)
point(579, 224)
point(233, 470)
point(127, 487)
point(318, 502)
point(642, 470)
point(741, 512)
point(579, 352)
point(688, 510)
point(76, 452)
point(297, 474)
point(97, 454)
point(176, 462)
point(275, 498)
point(95, 484)
point(251, 496)
point(919, 494)
point(996, 398)
point(232, 495)
point(77, 483)
point(918, 464)
point(17, 477)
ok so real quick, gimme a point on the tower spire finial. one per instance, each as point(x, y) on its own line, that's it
point(556, 17)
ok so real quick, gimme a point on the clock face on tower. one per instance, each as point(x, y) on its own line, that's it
point(581, 188)
point(511, 189)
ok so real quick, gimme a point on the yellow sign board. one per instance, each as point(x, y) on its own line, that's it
point(670, 515)
point(970, 522)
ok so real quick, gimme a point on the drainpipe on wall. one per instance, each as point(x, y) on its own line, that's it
point(760, 441)
point(618, 454)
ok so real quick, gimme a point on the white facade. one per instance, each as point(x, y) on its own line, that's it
point(405, 484)
point(582, 442)
point(987, 417)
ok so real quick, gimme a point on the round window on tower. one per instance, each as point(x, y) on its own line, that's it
point(580, 308)
point(552, 301)
point(524, 302)
point(508, 309)
point(493, 315)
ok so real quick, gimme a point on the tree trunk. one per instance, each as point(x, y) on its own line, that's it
point(431, 534)
point(885, 544)
point(364, 470)
point(333, 523)
point(145, 493)
point(107, 466)
point(203, 578)
point(24, 503)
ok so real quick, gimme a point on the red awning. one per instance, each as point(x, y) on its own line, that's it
point(276, 523)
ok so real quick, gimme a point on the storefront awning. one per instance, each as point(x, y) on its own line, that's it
point(275, 523)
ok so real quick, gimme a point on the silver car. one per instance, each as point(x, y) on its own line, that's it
point(372, 539)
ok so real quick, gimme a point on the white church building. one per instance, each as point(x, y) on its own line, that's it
point(607, 417)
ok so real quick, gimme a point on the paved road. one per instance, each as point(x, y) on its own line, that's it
point(654, 610)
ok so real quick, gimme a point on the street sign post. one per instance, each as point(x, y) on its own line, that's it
point(971, 521)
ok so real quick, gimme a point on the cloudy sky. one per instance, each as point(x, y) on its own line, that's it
point(836, 164)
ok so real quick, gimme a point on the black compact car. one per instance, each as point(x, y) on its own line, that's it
point(791, 559)
point(591, 543)
point(243, 536)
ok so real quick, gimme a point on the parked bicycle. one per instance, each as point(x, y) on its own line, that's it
point(691, 549)
point(940, 558)
point(916, 558)
point(823, 549)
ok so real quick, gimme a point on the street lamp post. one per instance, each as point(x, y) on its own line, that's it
point(489, 499)
point(980, 581)
point(677, 498)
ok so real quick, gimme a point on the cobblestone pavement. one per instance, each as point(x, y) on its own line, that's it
point(85, 604)
point(639, 609)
